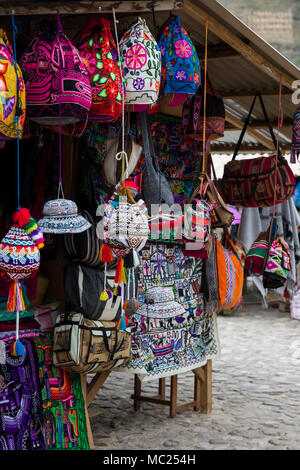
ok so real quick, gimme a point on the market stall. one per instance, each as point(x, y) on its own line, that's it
point(110, 118)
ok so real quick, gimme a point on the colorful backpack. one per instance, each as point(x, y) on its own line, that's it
point(57, 82)
point(97, 46)
point(141, 64)
point(12, 92)
point(180, 62)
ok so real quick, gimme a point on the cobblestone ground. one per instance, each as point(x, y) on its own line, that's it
point(256, 385)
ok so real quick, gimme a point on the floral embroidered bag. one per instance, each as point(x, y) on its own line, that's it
point(180, 62)
point(56, 79)
point(141, 64)
point(98, 48)
point(12, 92)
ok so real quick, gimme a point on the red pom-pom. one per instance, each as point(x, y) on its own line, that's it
point(106, 255)
point(21, 217)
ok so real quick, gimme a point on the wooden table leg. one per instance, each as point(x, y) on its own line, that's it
point(173, 403)
point(197, 393)
point(162, 388)
point(206, 388)
point(95, 385)
point(88, 424)
point(137, 393)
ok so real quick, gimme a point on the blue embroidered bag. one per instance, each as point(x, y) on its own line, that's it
point(180, 62)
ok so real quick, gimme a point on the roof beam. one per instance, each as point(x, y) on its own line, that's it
point(239, 124)
point(218, 52)
point(233, 94)
point(245, 148)
point(260, 125)
point(25, 7)
point(195, 12)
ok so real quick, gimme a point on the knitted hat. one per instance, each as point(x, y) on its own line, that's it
point(61, 216)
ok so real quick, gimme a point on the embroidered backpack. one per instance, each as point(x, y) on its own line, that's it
point(141, 64)
point(97, 46)
point(180, 62)
point(56, 79)
point(12, 92)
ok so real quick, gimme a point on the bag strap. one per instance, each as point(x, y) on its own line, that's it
point(247, 123)
point(149, 151)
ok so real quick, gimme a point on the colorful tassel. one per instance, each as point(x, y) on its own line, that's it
point(17, 348)
point(120, 276)
point(122, 323)
point(106, 255)
point(105, 295)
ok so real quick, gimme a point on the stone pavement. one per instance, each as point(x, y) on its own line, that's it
point(256, 385)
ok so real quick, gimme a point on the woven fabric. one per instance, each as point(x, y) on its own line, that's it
point(12, 92)
point(180, 62)
point(57, 82)
point(141, 64)
point(163, 346)
point(295, 148)
point(251, 182)
point(230, 278)
point(63, 408)
point(97, 47)
point(278, 264)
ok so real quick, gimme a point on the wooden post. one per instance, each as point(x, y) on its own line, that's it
point(95, 385)
point(88, 424)
point(206, 388)
point(173, 403)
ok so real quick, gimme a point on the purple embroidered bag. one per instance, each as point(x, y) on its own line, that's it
point(56, 80)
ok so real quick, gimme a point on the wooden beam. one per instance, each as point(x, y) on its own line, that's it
point(95, 385)
point(260, 125)
point(195, 12)
point(217, 52)
point(246, 148)
point(25, 7)
point(233, 94)
point(239, 124)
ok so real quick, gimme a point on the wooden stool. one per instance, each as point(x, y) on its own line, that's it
point(202, 392)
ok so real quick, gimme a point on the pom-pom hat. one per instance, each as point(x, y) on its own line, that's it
point(61, 216)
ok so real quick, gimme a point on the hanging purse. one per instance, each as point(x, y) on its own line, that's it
point(257, 255)
point(278, 264)
point(253, 182)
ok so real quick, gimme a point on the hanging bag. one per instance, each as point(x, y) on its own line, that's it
point(12, 89)
point(193, 112)
point(257, 255)
point(278, 264)
point(251, 182)
point(97, 46)
point(141, 61)
point(56, 79)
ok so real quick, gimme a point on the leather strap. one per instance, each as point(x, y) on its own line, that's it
point(247, 122)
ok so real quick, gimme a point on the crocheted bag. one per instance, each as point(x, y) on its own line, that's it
point(180, 62)
point(97, 46)
point(141, 64)
point(57, 83)
point(12, 90)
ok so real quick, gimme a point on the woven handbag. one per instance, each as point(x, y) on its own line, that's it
point(257, 182)
point(257, 255)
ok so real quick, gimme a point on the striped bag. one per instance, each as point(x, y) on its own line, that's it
point(257, 255)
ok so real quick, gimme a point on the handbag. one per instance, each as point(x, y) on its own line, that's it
point(155, 187)
point(83, 346)
point(257, 182)
point(278, 264)
point(230, 275)
point(83, 286)
point(193, 111)
point(257, 255)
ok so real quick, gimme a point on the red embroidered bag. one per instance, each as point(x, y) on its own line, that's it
point(251, 182)
point(97, 46)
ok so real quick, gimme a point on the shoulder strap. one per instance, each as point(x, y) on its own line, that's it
point(149, 151)
point(247, 122)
